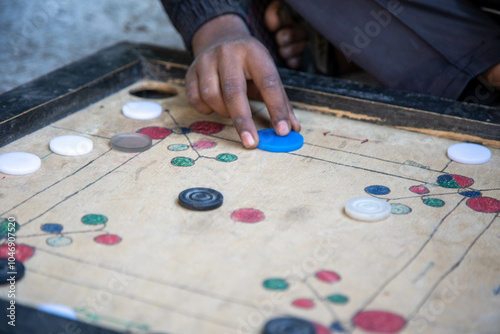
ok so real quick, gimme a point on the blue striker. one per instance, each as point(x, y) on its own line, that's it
point(270, 141)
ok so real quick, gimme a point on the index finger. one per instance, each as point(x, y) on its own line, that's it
point(265, 76)
point(234, 92)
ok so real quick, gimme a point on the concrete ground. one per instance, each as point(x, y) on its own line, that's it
point(38, 36)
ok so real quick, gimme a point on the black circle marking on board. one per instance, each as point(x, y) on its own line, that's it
point(7, 272)
point(289, 325)
point(200, 199)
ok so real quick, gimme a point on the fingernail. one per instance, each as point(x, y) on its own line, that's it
point(282, 128)
point(247, 139)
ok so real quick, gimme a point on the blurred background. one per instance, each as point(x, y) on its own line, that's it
point(39, 36)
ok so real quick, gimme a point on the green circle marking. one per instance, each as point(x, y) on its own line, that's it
point(4, 226)
point(94, 219)
point(275, 284)
point(434, 202)
point(226, 157)
point(338, 299)
point(177, 147)
point(182, 162)
point(400, 209)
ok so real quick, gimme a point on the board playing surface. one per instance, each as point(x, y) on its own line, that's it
point(104, 234)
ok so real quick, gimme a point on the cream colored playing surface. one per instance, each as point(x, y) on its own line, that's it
point(432, 267)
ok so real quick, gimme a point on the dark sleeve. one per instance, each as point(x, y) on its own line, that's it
point(189, 15)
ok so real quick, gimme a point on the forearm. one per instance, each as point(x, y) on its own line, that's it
point(223, 28)
point(189, 15)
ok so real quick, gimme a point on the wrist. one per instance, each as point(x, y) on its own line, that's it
point(221, 28)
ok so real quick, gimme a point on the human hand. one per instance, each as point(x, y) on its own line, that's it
point(229, 66)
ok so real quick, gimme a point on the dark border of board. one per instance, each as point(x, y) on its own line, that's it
point(31, 321)
point(43, 101)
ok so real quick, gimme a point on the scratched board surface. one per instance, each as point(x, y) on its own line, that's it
point(104, 234)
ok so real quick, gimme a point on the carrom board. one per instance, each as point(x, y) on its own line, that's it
point(104, 234)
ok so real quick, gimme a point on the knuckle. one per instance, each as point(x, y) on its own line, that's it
point(209, 95)
point(226, 50)
point(239, 122)
point(195, 101)
point(193, 98)
point(271, 82)
point(279, 113)
point(232, 90)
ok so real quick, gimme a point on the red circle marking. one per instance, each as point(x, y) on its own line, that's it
point(155, 132)
point(484, 204)
point(107, 239)
point(247, 216)
point(206, 128)
point(23, 252)
point(204, 143)
point(328, 276)
point(379, 321)
point(419, 189)
point(320, 329)
point(303, 303)
point(462, 181)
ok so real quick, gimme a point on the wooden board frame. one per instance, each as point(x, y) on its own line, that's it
point(34, 105)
